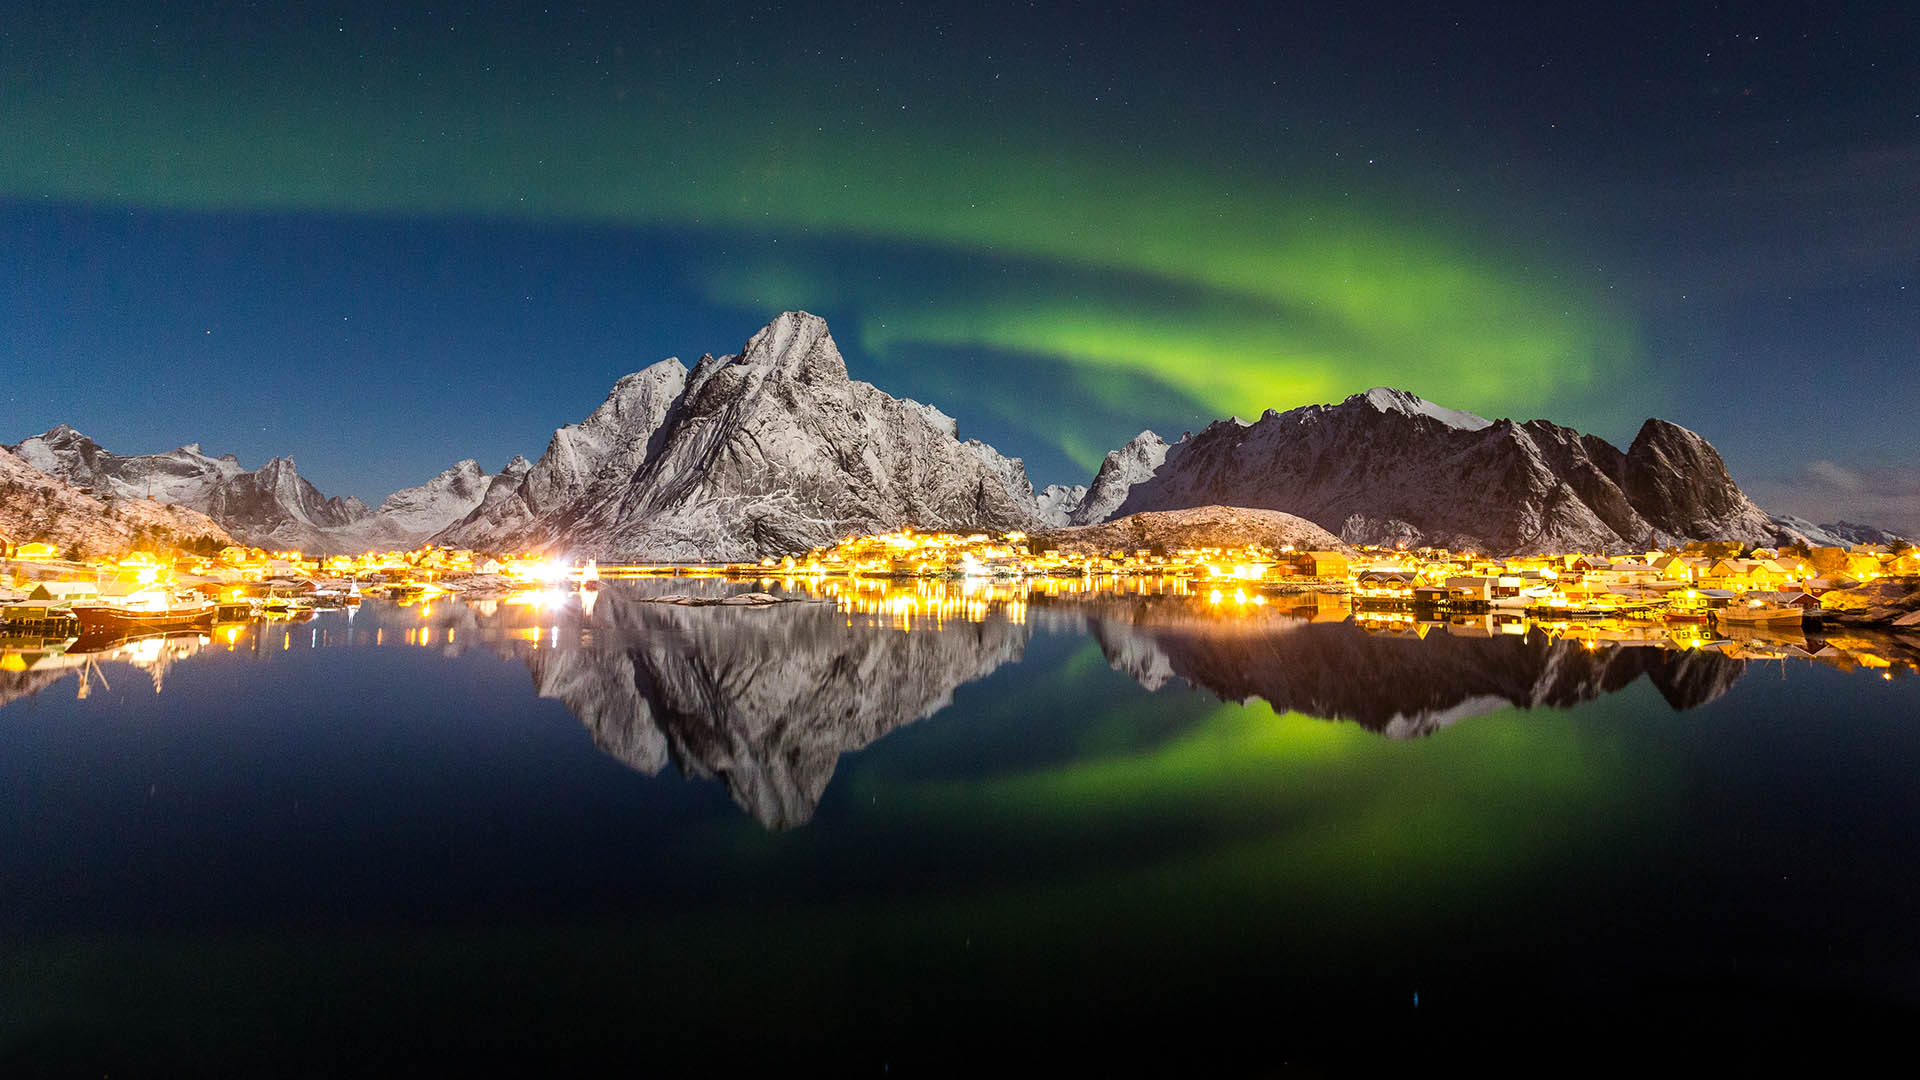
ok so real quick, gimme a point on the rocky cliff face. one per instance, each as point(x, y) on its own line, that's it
point(37, 506)
point(275, 507)
point(769, 451)
point(1132, 464)
point(585, 464)
point(1386, 466)
point(185, 476)
point(272, 506)
point(1679, 485)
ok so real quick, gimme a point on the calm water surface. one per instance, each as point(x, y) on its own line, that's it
point(1005, 835)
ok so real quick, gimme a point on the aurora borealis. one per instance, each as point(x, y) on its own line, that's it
point(444, 234)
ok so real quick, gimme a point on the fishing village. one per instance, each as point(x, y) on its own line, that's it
point(1855, 608)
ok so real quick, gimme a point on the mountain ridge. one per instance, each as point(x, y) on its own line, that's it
point(1386, 466)
point(775, 449)
point(271, 507)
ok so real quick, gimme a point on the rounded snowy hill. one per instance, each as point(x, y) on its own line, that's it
point(1200, 526)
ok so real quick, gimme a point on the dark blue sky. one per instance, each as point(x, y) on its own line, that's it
point(383, 243)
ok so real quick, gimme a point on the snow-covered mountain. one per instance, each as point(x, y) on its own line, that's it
point(36, 506)
point(1839, 534)
point(769, 451)
point(272, 506)
point(185, 476)
point(1387, 466)
point(776, 449)
point(407, 517)
point(1055, 504)
point(1132, 464)
point(534, 505)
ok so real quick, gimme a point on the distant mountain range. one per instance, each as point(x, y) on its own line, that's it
point(272, 506)
point(776, 449)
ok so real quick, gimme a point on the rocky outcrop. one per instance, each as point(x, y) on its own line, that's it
point(769, 451)
point(1205, 526)
point(185, 477)
point(275, 507)
point(1389, 467)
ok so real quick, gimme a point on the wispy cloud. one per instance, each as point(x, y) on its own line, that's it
point(1825, 491)
point(1834, 475)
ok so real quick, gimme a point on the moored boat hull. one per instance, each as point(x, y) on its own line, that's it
point(132, 620)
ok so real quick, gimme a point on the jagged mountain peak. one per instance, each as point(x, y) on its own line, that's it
point(463, 481)
point(1119, 472)
point(768, 450)
point(796, 344)
point(636, 382)
point(63, 433)
point(1659, 435)
point(1388, 399)
point(1056, 502)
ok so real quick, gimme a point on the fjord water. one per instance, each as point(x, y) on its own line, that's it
point(846, 834)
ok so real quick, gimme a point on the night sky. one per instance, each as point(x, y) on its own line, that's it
point(382, 243)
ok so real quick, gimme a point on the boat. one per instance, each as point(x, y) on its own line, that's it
point(144, 612)
point(1758, 612)
point(284, 605)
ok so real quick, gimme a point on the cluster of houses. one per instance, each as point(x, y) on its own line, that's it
point(1684, 584)
point(911, 554)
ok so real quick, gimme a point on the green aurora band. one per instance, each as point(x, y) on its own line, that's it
point(1259, 290)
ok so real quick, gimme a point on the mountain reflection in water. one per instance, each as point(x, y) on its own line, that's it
point(767, 699)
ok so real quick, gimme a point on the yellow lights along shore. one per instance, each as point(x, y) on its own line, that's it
point(910, 580)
